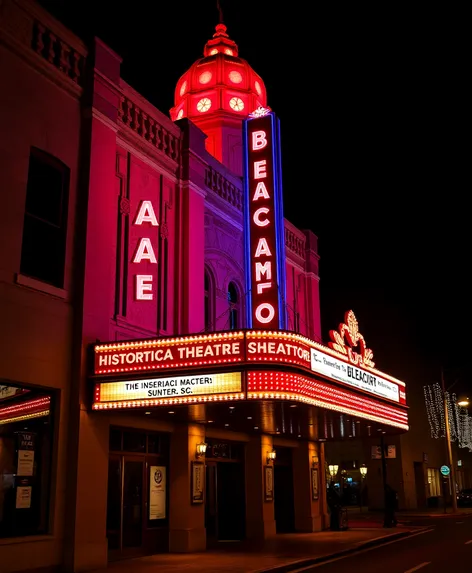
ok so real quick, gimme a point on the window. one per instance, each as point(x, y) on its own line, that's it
point(209, 301)
point(26, 438)
point(233, 300)
point(43, 249)
point(434, 483)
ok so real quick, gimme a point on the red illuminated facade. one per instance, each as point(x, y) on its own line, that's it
point(137, 341)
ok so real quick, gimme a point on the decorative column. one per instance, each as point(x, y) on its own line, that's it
point(187, 511)
point(260, 519)
point(309, 487)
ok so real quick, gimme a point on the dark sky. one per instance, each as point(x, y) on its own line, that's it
point(372, 103)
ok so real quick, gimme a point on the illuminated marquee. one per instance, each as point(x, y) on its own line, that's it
point(264, 223)
point(145, 251)
point(252, 347)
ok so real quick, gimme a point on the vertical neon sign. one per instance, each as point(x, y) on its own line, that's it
point(264, 222)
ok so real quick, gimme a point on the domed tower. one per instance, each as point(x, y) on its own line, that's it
point(217, 93)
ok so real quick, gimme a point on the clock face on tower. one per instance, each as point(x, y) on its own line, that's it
point(204, 105)
point(236, 103)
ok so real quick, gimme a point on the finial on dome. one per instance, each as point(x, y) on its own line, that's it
point(220, 11)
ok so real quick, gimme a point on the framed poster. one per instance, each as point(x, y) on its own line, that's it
point(197, 482)
point(314, 483)
point(157, 492)
point(268, 483)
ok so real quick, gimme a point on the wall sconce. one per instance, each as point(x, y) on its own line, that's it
point(314, 460)
point(333, 470)
point(201, 450)
point(363, 470)
point(271, 456)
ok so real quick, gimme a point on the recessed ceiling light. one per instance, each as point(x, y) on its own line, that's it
point(147, 412)
point(210, 421)
point(293, 405)
point(231, 407)
point(249, 417)
point(277, 432)
point(226, 424)
point(256, 427)
point(171, 412)
point(299, 435)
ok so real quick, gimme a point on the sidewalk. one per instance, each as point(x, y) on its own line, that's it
point(281, 553)
point(366, 518)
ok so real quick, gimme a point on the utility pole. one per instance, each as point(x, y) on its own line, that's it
point(387, 522)
point(449, 449)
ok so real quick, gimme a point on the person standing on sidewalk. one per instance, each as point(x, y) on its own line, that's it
point(390, 506)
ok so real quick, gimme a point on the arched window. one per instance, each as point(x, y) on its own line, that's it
point(233, 301)
point(208, 303)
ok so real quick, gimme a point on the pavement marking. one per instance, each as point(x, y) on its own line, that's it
point(420, 566)
point(360, 551)
point(468, 542)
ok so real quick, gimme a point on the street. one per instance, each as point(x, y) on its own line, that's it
point(446, 545)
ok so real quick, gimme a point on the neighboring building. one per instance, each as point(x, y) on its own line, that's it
point(126, 255)
point(413, 463)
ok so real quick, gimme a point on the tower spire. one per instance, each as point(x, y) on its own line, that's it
point(220, 11)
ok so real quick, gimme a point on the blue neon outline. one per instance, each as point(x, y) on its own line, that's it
point(279, 219)
point(247, 234)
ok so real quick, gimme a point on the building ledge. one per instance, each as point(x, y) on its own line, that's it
point(41, 286)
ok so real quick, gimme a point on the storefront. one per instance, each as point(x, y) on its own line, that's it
point(282, 390)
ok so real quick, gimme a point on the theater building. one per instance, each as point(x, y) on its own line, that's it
point(164, 385)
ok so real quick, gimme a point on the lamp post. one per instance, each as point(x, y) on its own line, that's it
point(449, 449)
point(363, 470)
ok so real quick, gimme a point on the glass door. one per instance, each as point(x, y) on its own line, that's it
point(133, 488)
point(125, 505)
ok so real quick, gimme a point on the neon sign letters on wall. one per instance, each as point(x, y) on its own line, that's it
point(145, 251)
point(264, 224)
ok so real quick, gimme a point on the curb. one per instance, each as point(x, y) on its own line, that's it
point(294, 565)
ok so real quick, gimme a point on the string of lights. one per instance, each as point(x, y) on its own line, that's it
point(460, 423)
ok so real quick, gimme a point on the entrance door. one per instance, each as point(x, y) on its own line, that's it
point(137, 504)
point(133, 488)
point(225, 505)
point(283, 492)
point(231, 501)
point(125, 505)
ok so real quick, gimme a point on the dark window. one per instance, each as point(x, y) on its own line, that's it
point(233, 306)
point(134, 442)
point(45, 225)
point(208, 303)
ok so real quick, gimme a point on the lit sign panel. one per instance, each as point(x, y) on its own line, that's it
point(264, 223)
point(171, 387)
point(159, 354)
point(353, 375)
point(145, 251)
point(156, 391)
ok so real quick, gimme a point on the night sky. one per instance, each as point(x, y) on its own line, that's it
point(372, 107)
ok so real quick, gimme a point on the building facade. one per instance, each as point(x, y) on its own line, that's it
point(147, 258)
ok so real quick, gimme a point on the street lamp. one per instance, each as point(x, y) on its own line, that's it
point(363, 470)
point(464, 403)
point(333, 470)
point(449, 448)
